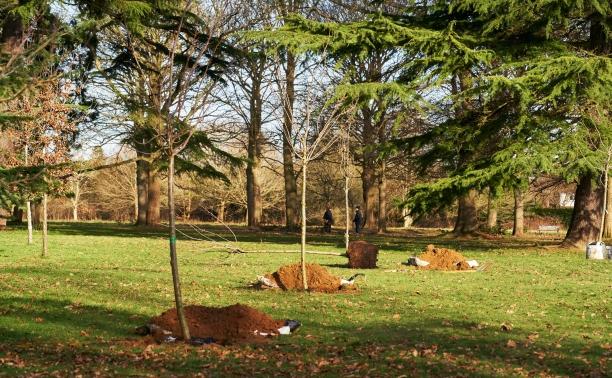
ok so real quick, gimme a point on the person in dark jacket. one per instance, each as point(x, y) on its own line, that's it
point(358, 220)
point(328, 220)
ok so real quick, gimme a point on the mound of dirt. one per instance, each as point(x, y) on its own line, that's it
point(443, 259)
point(224, 324)
point(362, 254)
point(289, 277)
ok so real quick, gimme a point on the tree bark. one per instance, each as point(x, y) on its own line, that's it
point(303, 244)
point(17, 214)
point(154, 198)
point(75, 200)
point(608, 221)
point(29, 218)
point(221, 212)
point(369, 180)
point(28, 204)
point(254, 205)
point(467, 215)
point(584, 225)
point(347, 213)
point(370, 196)
point(491, 212)
point(382, 199)
point(291, 196)
point(37, 214)
point(519, 219)
point(45, 246)
point(176, 281)
point(142, 178)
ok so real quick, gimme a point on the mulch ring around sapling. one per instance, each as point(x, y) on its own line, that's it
point(443, 259)
point(289, 277)
point(222, 325)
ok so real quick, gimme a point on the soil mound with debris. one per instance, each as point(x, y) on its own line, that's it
point(362, 254)
point(289, 277)
point(443, 259)
point(224, 324)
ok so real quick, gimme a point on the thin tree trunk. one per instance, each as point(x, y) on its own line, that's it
point(347, 212)
point(303, 249)
point(605, 196)
point(142, 177)
point(382, 199)
point(154, 198)
point(176, 281)
point(221, 212)
point(75, 200)
point(491, 211)
point(29, 216)
point(28, 204)
point(519, 219)
point(291, 196)
point(585, 222)
point(45, 246)
point(608, 217)
point(467, 220)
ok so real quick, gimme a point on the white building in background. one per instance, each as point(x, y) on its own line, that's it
point(566, 199)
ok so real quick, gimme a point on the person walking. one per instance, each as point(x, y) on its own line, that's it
point(328, 220)
point(358, 220)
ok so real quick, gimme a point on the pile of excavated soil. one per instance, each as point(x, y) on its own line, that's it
point(362, 255)
point(223, 324)
point(443, 259)
point(289, 277)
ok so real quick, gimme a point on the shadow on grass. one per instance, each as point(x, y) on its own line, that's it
point(394, 242)
point(414, 347)
point(52, 320)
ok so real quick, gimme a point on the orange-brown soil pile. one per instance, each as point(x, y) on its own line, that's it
point(443, 259)
point(362, 254)
point(289, 277)
point(224, 324)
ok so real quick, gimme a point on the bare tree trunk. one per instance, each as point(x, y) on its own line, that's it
point(176, 281)
point(45, 246)
point(370, 195)
point(467, 220)
point(382, 199)
point(75, 200)
point(491, 211)
point(584, 225)
point(29, 216)
point(154, 198)
point(605, 196)
point(347, 213)
point(407, 218)
point(17, 214)
point(28, 204)
point(37, 214)
point(608, 217)
point(368, 170)
point(303, 244)
point(254, 205)
point(519, 218)
point(291, 197)
point(221, 212)
point(142, 178)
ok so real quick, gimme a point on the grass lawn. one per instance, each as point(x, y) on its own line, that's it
point(74, 312)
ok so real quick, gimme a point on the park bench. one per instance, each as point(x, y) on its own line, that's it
point(543, 229)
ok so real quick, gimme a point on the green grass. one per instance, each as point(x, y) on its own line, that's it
point(74, 312)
